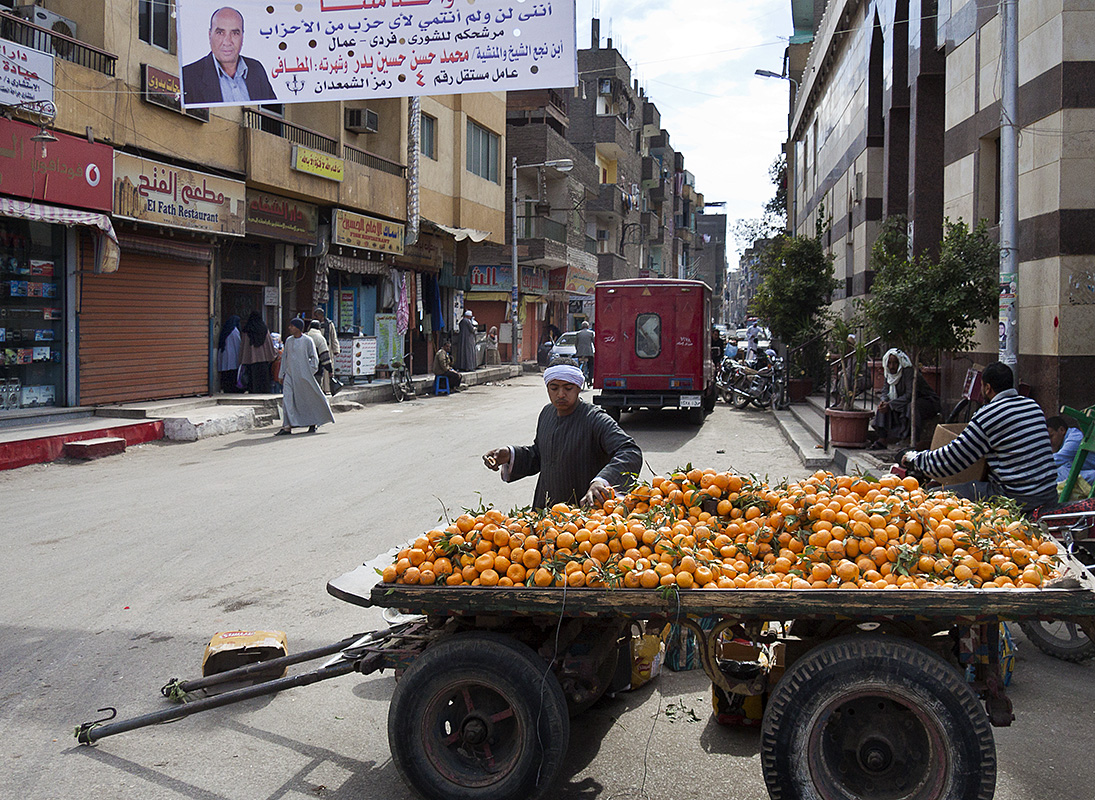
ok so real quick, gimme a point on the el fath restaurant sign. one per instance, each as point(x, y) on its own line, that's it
point(74, 172)
point(367, 233)
point(158, 193)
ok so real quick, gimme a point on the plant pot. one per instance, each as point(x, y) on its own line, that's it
point(848, 428)
point(799, 388)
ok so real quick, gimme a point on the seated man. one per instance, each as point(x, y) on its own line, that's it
point(580, 454)
point(1066, 441)
point(892, 421)
point(442, 365)
point(1009, 432)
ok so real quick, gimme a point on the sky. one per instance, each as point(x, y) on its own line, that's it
point(696, 60)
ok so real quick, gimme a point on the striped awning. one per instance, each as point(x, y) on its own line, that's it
point(107, 254)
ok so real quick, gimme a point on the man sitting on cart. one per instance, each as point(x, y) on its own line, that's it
point(1009, 432)
point(580, 453)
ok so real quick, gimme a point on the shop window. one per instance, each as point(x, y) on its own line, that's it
point(155, 23)
point(648, 336)
point(428, 137)
point(482, 152)
point(32, 318)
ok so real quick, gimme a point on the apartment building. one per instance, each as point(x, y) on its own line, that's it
point(898, 112)
point(115, 284)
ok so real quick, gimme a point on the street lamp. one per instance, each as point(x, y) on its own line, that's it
point(767, 73)
point(561, 164)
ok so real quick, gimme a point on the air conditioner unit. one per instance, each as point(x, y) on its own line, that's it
point(362, 120)
point(604, 86)
point(48, 20)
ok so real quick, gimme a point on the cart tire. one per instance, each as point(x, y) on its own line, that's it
point(1063, 640)
point(478, 716)
point(879, 718)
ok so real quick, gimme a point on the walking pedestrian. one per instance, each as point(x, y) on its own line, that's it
point(302, 401)
point(257, 354)
point(228, 355)
point(325, 371)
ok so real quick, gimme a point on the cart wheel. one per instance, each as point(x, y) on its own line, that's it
point(478, 716)
point(880, 718)
point(1063, 640)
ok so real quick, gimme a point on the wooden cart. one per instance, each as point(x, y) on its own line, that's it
point(887, 693)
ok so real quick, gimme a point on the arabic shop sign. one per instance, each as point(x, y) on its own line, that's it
point(150, 191)
point(322, 165)
point(26, 75)
point(533, 281)
point(367, 233)
point(572, 279)
point(165, 90)
point(74, 172)
point(316, 50)
point(490, 278)
point(281, 218)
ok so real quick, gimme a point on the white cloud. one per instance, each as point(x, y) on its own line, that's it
point(696, 60)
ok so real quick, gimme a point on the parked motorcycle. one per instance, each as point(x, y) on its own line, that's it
point(761, 383)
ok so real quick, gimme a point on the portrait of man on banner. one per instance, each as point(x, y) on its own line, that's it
point(224, 76)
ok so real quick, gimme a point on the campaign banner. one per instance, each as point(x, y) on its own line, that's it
point(151, 191)
point(262, 51)
point(26, 75)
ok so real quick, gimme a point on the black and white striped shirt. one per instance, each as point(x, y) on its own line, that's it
point(1010, 434)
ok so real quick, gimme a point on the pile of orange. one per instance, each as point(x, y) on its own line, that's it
point(709, 529)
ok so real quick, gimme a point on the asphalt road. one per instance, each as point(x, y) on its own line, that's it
point(116, 573)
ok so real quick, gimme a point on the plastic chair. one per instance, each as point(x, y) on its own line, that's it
point(1085, 420)
point(441, 384)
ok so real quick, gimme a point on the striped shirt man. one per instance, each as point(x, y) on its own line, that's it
point(1010, 434)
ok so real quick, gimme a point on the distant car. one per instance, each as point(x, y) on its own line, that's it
point(565, 345)
point(763, 343)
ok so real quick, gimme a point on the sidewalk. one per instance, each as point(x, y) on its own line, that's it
point(37, 438)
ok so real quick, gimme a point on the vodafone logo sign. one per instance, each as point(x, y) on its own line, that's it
point(92, 175)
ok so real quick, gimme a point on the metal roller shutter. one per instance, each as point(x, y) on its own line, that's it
point(144, 331)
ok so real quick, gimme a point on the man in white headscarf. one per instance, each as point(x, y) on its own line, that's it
point(580, 453)
point(464, 358)
point(893, 416)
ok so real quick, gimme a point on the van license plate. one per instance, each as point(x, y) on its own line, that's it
point(691, 401)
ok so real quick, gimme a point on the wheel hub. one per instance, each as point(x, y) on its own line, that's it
point(876, 755)
point(474, 731)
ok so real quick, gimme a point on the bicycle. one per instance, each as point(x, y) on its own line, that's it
point(402, 385)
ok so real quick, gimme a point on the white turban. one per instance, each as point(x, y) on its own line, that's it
point(564, 372)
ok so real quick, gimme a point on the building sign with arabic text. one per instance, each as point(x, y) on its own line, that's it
point(165, 90)
point(367, 233)
point(73, 172)
point(322, 50)
point(151, 191)
point(26, 75)
point(490, 278)
point(322, 165)
point(280, 218)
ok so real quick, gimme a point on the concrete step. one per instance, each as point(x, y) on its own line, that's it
point(206, 422)
point(89, 449)
point(156, 409)
point(264, 419)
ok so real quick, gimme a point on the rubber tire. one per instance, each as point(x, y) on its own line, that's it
point(740, 400)
point(1077, 648)
point(399, 390)
point(490, 663)
point(710, 398)
point(927, 698)
point(696, 415)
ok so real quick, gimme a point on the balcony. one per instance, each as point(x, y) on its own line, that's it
point(63, 47)
point(612, 136)
point(652, 225)
point(541, 228)
point(612, 266)
point(541, 242)
point(272, 123)
point(609, 201)
point(373, 161)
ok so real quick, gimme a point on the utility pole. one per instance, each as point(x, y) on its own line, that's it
point(1009, 189)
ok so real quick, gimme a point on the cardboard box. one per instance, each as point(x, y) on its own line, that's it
point(231, 649)
point(948, 432)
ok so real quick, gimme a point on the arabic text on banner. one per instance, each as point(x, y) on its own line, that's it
point(316, 50)
point(26, 75)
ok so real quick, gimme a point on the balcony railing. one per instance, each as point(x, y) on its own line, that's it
point(541, 228)
point(591, 245)
point(373, 161)
point(64, 47)
point(272, 123)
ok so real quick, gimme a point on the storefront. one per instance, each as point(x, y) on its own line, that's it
point(145, 333)
point(41, 258)
point(571, 297)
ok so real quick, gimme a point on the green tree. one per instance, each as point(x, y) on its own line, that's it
point(796, 283)
point(926, 306)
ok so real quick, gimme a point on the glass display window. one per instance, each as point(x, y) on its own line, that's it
point(32, 314)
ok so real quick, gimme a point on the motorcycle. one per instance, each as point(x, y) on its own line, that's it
point(758, 383)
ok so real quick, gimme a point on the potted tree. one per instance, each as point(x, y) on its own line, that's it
point(848, 425)
point(797, 280)
point(932, 306)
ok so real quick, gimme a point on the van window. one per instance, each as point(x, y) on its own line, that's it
point(648, 336)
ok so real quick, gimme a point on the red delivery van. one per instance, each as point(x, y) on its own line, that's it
point(653, 346)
